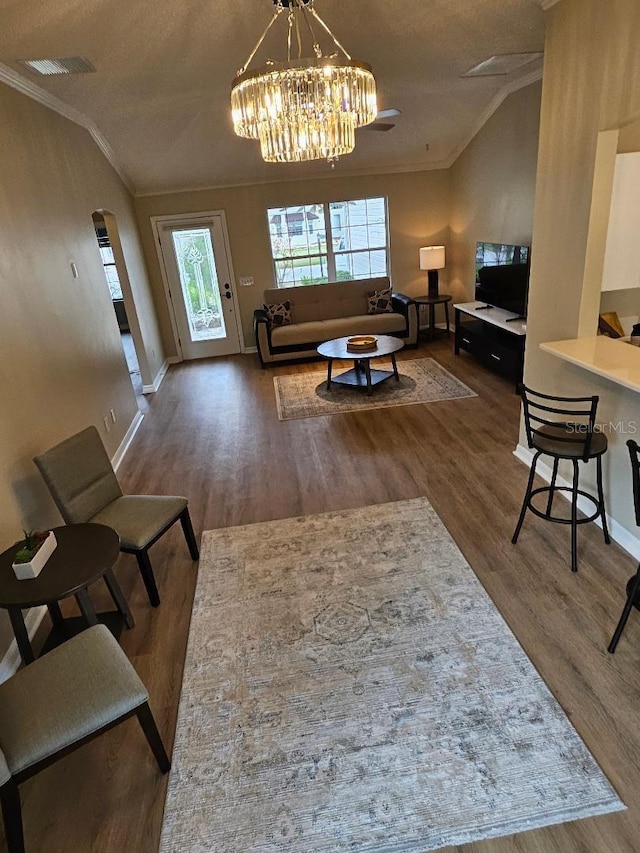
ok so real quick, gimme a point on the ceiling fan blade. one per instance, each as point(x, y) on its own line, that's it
point(378, 125)
point(390, 113)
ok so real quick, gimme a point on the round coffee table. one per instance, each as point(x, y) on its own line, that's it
point(361, 375)
point(84, 554)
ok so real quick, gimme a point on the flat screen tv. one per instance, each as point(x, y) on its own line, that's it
point(502, 276)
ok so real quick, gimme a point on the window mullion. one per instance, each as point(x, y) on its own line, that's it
point(331, 258)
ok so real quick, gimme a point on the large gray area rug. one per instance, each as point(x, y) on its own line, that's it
point(349, 686)
point(422, 380)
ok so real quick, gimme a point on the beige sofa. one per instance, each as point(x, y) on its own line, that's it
point(321, 312)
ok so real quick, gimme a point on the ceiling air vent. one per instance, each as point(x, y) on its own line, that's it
point(501, 64)
point(66, 65)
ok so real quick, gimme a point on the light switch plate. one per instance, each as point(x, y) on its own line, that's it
point(246, 281)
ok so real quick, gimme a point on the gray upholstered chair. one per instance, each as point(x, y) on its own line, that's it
point(85, 488)
point(74, 693)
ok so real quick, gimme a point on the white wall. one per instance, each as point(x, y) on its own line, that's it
point(591, 74)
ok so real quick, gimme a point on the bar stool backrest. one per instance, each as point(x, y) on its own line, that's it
point(634, 450)
point(542, 411)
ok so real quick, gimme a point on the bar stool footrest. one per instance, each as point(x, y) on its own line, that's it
point(556, 519)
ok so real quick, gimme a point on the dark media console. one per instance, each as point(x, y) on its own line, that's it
point(494, 336)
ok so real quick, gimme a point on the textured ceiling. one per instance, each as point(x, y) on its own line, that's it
point(160, 96)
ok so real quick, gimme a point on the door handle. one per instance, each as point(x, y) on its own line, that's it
point(228, 294)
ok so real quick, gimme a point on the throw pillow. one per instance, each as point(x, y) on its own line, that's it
point(279, 314)
point(380, 302)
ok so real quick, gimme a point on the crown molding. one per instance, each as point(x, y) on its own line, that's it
point(502, 95)
point(547, 4)
point(37, 93)
point(331, 174)
point(498, 100)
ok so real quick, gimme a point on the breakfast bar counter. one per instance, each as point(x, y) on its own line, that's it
point(612, 358)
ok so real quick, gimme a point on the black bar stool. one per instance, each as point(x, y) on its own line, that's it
point(634, 583)
point(563, 428)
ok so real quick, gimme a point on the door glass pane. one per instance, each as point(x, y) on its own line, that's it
point(199, 283)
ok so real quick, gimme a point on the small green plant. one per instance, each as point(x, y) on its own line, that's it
point(30, 545)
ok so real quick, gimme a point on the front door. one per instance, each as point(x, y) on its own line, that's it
point(198, 275)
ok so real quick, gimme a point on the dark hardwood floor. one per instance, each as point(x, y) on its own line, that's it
point(212, 433)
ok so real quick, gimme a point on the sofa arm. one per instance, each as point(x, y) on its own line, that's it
point(262, 329)
point(401, 303)
point(406, 306)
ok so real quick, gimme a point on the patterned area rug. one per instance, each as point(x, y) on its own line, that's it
point(422, 380)
point(349, 686)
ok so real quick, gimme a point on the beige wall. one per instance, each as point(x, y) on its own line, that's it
point(62, 364)
point(629, 139)
point(492, 186)
point(591, 84)
point(418, 216)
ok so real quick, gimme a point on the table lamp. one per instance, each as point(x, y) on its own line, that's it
point(432, 259)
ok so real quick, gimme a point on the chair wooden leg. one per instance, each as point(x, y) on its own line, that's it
point(603, 514)
point(631, 597)
point(12, 816)
point(22, 635)
point(552, 485)
point(574, 518)
point(148, 724)
point(146, 570)
point(189, 535)
point(527, 498)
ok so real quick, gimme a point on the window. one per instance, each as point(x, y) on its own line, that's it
point(338, 241)
point(108, 262)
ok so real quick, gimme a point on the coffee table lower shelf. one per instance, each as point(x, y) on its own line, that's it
point(361, 375)
point(357, 377)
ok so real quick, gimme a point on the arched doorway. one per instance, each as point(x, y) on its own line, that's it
point(117, 279)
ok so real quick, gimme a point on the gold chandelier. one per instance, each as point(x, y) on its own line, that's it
point(303, 109)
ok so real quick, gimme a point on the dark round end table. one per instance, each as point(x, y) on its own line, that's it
point(85, 553)
point(431, 302)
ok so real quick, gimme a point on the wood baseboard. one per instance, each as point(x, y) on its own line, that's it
point(134, 426)
point(157, 382)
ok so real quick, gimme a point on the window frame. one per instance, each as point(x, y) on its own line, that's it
point(104, 243)
point(330, 254)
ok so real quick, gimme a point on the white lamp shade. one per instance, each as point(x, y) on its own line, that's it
point(432, 258)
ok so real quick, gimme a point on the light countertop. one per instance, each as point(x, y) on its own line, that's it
point(614, 359)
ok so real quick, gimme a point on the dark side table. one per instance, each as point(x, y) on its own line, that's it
point(431, 302)
point(85, 553)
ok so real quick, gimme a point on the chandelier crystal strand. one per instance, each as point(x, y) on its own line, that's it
point(304, 109)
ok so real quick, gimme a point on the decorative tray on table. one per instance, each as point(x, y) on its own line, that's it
point(362, 343)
